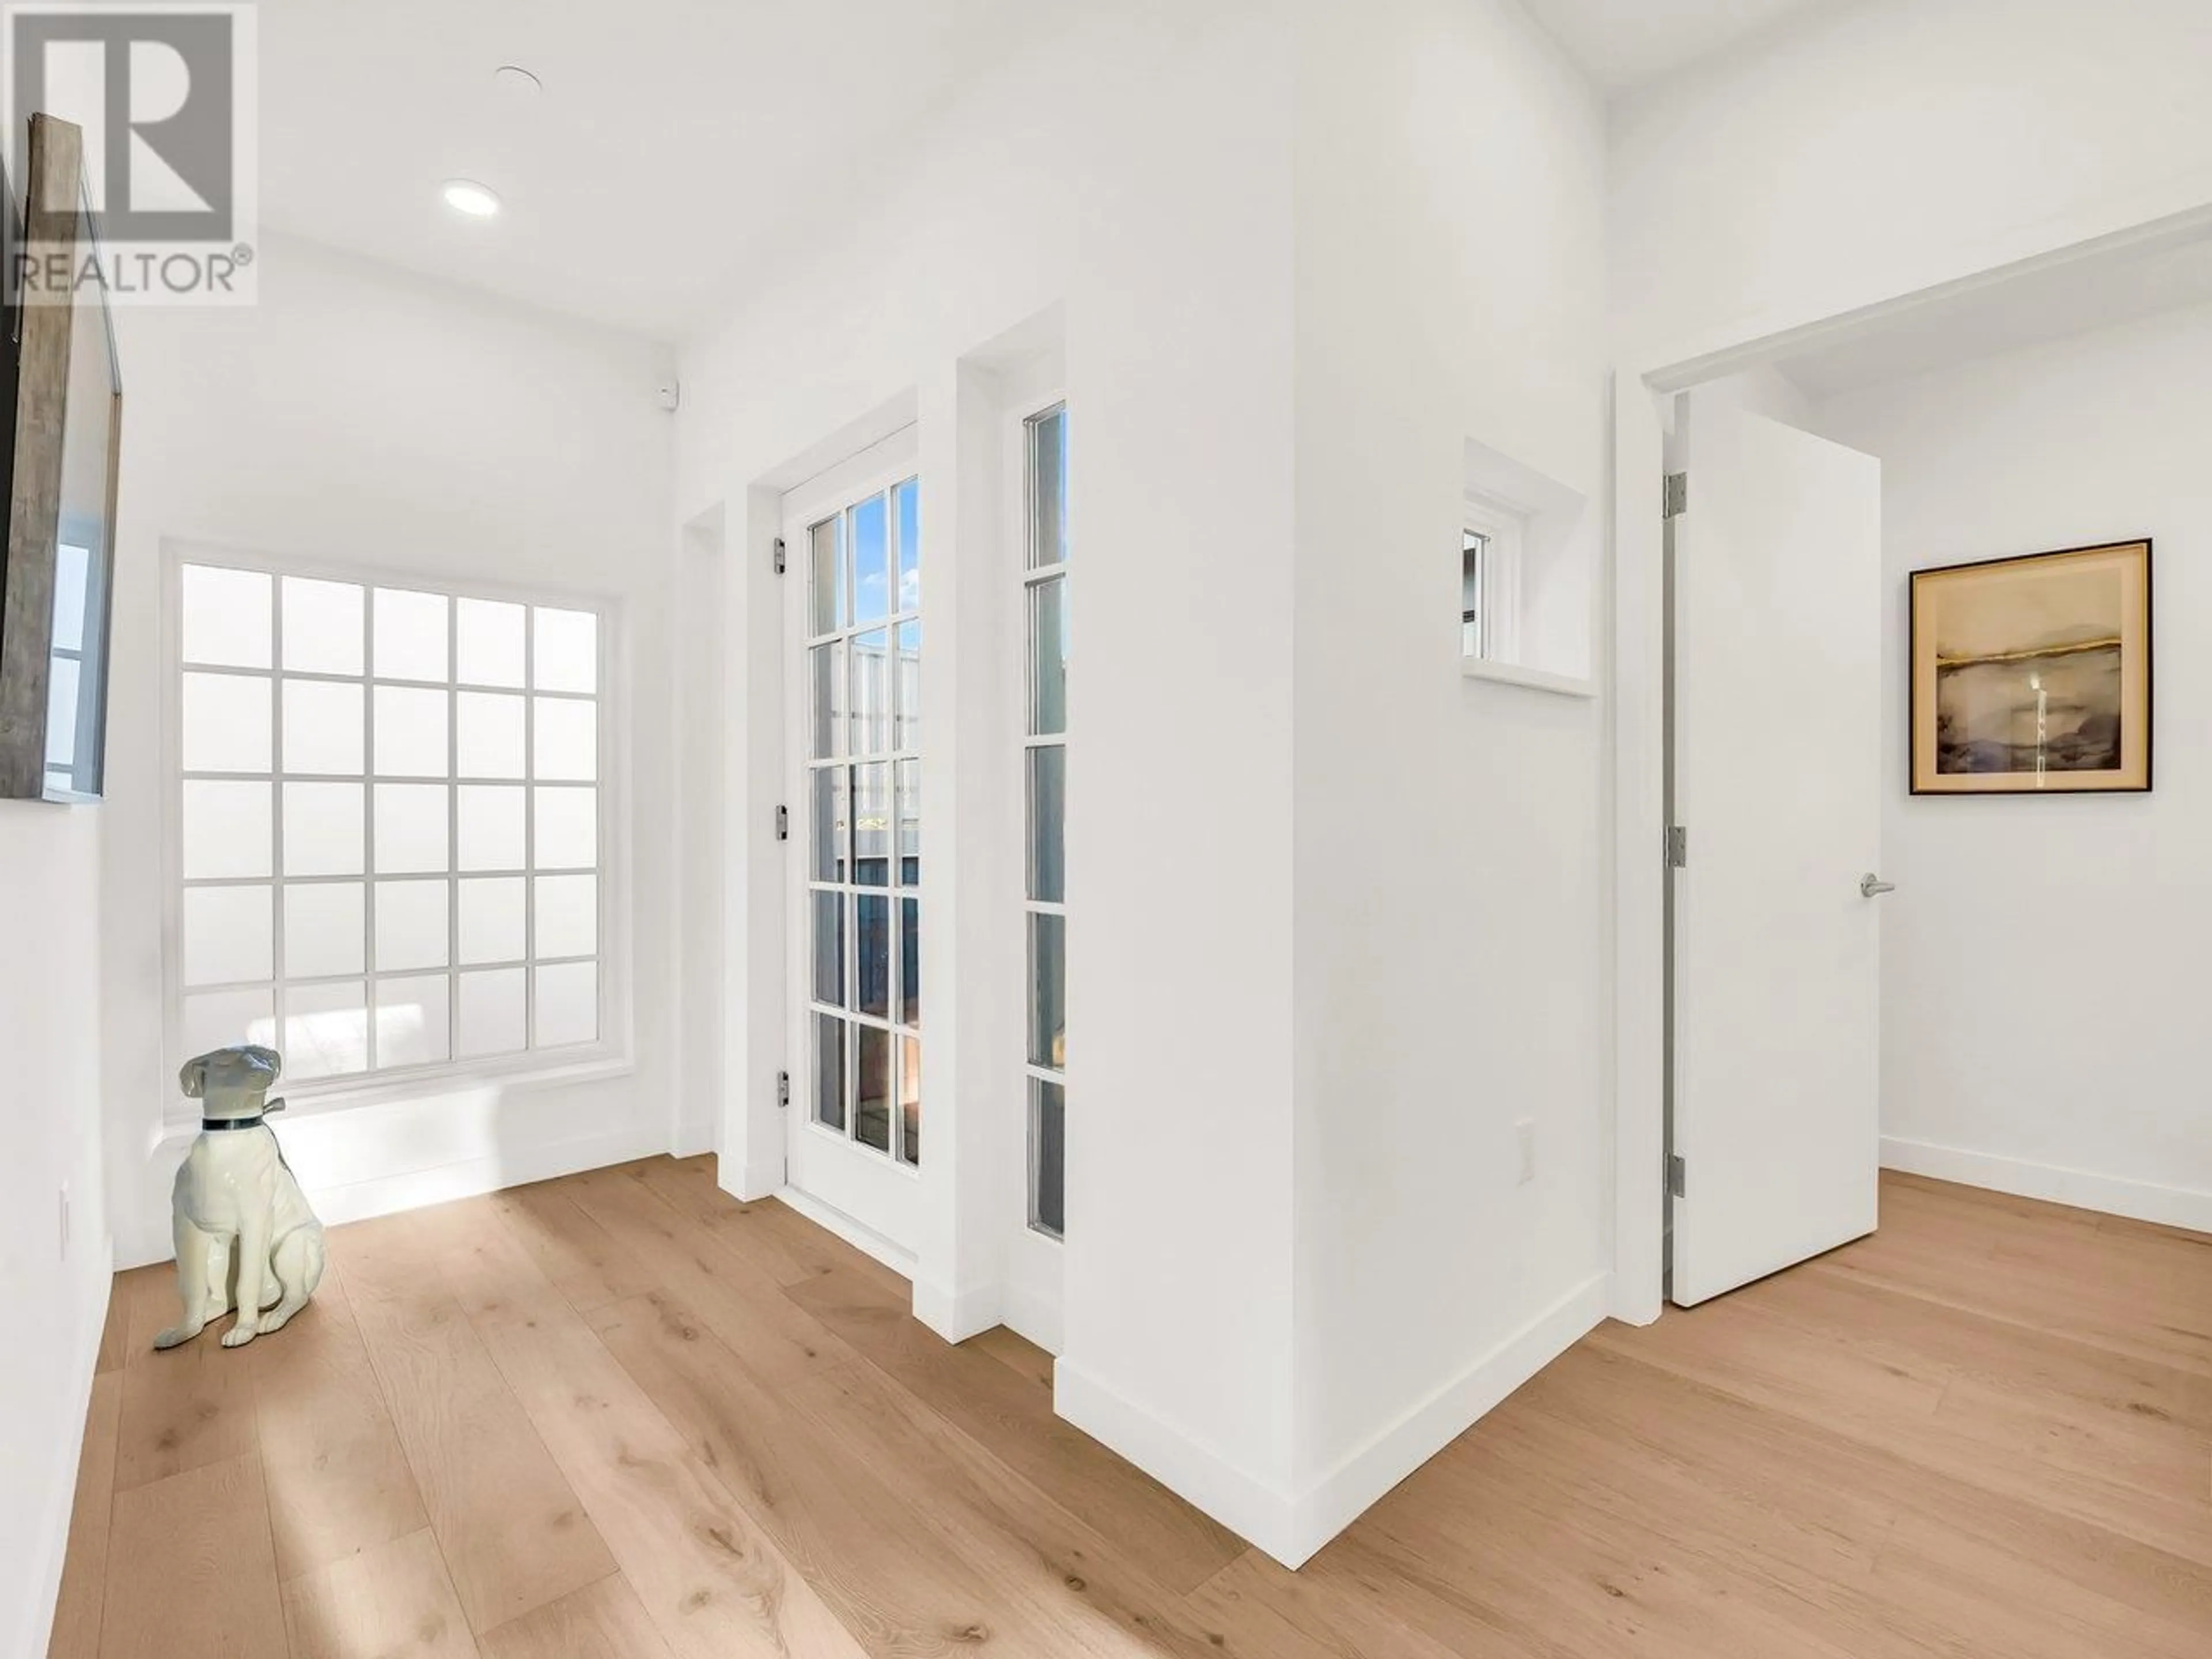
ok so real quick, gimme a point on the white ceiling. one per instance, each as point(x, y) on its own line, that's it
point(1624, 43)
point(673, 140)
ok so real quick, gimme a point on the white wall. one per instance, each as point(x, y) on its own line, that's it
point(1126, 168)
point(1886, 145)
point(1452, 931)
point(378, 422)
point(50, 1026)
point(2043, 1027)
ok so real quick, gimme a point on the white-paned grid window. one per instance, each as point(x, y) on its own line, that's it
point(390, 813)
point(863, 811)
point(1489, 579)
point(1045, 596)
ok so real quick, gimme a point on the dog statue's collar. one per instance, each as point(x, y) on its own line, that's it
point(210, 1125)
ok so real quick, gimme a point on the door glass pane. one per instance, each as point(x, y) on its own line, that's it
point(228, 935)
point(908, 806)
point(410, 828)
point(1048, 645)
point(566, 744)
point(323, 729)
point(564, 650)
point(1048, 824)
point(906, 511)
point(910, 962)
point(908, 677)
point(830, 1071)
point(1048, 1157)
point(411, 924)
point(872, 824)
point(410, 732)
point(324, 630)
point(1049, 991)
point(229, 830)
point(325, 924)
point(493, 1013)
point(826, 578)
point(1049, 489)
point(491, 828)
point(490, 735)
point(491, 651)
point(410, 634)
point(825, 668)
point(325, 1030)
point(872, 1090)
point(226, 723)
point(568, 1004)
point(911, 1099)
point(832, 824)
point(566, 828)
point(872, 588)
point(323, 830)
point(414, 1020)
point(872, 936)
point(872, 692)
point(227, 618)
point(829, 949)
point(491, 920)
point(567, 916)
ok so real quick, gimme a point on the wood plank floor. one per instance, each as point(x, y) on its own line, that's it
point(621, 1415)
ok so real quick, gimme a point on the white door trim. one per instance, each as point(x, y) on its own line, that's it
point(1637, 687)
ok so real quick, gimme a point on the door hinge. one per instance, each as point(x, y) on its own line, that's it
point(1678, 848)
point(783, 823)
point(783, 1090)
point(1678, 1175)
point(1676, 500)
point(782, 558)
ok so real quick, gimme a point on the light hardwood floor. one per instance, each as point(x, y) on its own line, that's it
point(620, 1415)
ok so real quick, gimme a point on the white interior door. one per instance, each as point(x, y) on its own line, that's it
point(853, 609)
point(1776, 660)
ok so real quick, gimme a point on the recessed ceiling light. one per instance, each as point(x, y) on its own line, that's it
point(514, 79)
point(468, 197)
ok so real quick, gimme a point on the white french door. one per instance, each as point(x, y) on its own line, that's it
point(1776, 663)
point(853, 609)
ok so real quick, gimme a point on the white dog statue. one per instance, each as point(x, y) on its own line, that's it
point(238, 1207)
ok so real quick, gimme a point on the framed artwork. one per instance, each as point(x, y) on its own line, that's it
point(2031, 675)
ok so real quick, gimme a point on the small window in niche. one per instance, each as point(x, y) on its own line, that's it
point(1472, 544)
point(1489, 581)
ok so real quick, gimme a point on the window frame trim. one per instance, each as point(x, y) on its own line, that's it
point(612, 1054)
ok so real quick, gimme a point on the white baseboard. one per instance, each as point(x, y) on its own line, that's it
point(411, 1189)
point(744, 1183)
point(2140, 1201)
point(67, 1445)
point(956, 1316)
point(1293, 1529)
point(1353, 1486)
point(1254, 1510)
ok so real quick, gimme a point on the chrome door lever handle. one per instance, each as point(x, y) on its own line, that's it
point(1874, 886)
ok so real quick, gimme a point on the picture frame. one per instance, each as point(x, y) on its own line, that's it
point(2031, 675)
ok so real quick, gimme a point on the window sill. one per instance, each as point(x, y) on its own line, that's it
point(1531, 679)
point(336, 1095)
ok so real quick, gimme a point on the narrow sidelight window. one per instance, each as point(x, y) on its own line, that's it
point(1045, 595)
